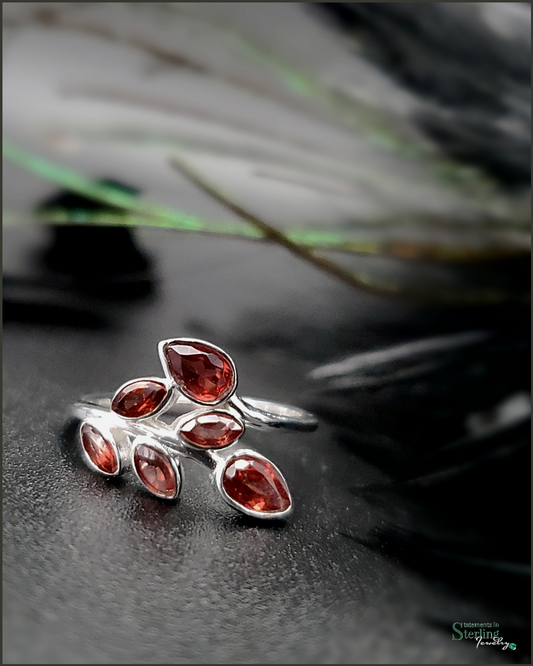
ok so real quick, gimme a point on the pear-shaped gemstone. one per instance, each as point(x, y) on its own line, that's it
point(202, 372)
point(255, 484)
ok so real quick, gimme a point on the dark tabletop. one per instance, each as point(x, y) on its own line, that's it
point(98, 571)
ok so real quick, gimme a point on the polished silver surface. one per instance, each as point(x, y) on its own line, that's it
point(266, 414)
point(255, 413)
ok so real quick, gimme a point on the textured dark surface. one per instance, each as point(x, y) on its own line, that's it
point(99, 572)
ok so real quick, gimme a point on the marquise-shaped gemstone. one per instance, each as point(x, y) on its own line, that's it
point(139, 398)
point(156, 471)
point(99, 449)
point(212, 430)
point(255, 484)
point(202, 372)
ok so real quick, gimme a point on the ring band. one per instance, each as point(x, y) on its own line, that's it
point(148, 427)
point(258, 414)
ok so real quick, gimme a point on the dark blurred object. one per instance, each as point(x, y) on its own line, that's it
point(315, 140)
point(470, 62)
point(412, 410)
point(50, 302)
point(104, 261)
point(83, 268)
point(449, 421)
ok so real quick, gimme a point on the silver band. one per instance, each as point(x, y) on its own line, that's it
point(266, 414)
point(255, 413)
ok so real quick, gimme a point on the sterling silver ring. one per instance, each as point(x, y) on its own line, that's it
point(150, 424)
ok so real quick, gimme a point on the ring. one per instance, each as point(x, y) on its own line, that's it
point(147, 427)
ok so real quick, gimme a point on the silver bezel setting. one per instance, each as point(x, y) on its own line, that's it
point(165, 403)
point(100, 425)
point(192, 416)
point(161, 350)
point(169, 455)
point(224, 461)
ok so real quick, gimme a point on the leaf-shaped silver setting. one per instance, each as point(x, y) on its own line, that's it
point(203, 372)
point(252, 484)
point(157, 468)
point(211, 429)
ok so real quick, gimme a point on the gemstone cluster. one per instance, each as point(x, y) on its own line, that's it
point(206, 376)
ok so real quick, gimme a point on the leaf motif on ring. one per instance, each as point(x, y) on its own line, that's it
point(204, 373)
point(212, 430)
point(252, 483)
point(139, 398)
point(155, 470)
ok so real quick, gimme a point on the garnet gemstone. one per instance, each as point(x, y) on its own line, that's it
point(99, 450)
point(255, 484)
point(203, 373)
point(212, 430)
point(155, 471)
point(139, 398)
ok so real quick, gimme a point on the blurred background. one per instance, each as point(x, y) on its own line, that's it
point(337, 194)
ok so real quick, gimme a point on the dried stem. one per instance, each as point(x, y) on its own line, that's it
point(359, 282)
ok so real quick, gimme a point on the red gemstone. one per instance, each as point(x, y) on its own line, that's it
point(255, 484)
point(99, 450)
point(155, 471)
point(212, 430)
point(139, 398)
point(203, 373)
